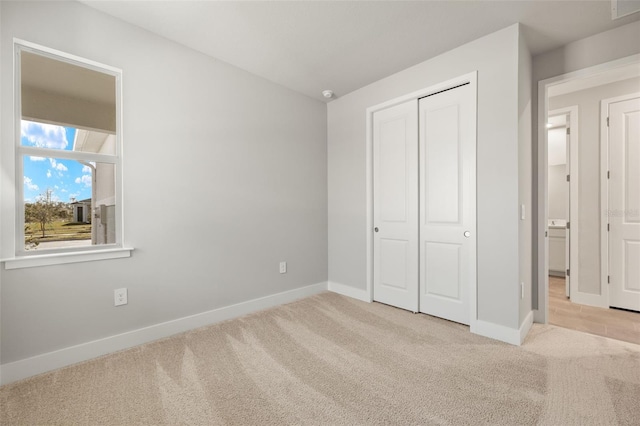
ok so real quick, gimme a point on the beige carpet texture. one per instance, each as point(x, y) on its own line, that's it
point(331, 360)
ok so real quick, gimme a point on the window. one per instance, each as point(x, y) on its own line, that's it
point(68, 155)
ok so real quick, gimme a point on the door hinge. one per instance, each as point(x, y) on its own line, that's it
point(608, 227)
point(568, 178)
point(607, 121)
point(568, 225)
point(608, 174)
point(568, 130)
point(568, 274)
point(608, 279)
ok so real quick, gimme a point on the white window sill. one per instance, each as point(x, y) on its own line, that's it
point(62, 258)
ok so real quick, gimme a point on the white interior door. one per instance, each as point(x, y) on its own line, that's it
point(624, 204)
point(395, 206)
point(447, 204)
point(567, 242)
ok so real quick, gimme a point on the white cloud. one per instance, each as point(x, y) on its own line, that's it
point(30, 185)
point(57, 166)
point(34, 158)
point(86, 179)
point(48, 173)
point(44, 135)
point(86, 169)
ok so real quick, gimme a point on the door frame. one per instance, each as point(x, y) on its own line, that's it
point(541, 314)
point(469, 78)
point(604, 190)
point(574, 138)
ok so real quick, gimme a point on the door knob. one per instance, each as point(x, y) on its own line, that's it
point(467, 234)
point(375, 229)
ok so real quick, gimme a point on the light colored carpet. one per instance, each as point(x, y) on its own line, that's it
point(332, 360)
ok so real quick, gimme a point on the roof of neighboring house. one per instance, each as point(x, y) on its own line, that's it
point(87, 201)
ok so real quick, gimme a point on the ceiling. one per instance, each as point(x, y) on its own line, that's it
point(310, 46)
point(94, 141)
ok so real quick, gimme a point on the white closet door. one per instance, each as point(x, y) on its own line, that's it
point(395, 218)
point(624, 204)
point(447, 204)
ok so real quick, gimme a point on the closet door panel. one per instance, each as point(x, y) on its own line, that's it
point(447, 203)
point(395, 199)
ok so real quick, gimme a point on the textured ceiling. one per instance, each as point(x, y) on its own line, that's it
point(309, 46)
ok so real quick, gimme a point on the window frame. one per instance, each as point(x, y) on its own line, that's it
point(27, 258)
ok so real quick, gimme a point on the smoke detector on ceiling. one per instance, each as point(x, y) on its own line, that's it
point(327, 94)
point(620, 8)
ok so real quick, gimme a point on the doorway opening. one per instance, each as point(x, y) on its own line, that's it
point(587, 223)
point(562, 194)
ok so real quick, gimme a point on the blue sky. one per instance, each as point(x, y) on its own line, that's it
point(66, 179)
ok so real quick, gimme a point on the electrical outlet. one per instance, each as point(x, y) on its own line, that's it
point(283, 267)
point(120, 297)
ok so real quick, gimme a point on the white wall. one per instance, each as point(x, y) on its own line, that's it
point(597, 49)
point(225, 176)
point(589, 208)
point(496, 59)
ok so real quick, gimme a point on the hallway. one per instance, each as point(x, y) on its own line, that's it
point(612, 323)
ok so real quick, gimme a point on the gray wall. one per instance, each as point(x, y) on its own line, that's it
point(589, 209)
point(597, 49)
point(496, 59)
point(225, 175)
point(2, 177)
point(524, 176)
point(558, 192)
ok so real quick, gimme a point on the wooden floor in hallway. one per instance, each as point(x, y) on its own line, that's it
point(613, 323)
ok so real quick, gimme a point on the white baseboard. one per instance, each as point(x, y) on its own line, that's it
point(526, 326)
point(345, 290)
point(496, 331)
point(28, 367)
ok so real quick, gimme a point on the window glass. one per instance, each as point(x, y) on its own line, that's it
point(68, 203)
point(68, 154)
point(53, 136)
